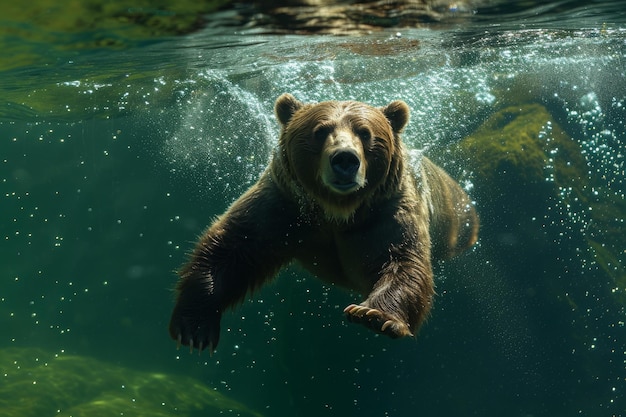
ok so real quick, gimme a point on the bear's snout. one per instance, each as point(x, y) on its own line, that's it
point(345, 165)
point(345, 173)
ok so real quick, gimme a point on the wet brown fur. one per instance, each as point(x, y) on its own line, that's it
point(378, 239)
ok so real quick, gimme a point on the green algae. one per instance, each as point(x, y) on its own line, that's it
point(37, 383)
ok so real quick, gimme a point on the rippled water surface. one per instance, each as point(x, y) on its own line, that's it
point(113, 161)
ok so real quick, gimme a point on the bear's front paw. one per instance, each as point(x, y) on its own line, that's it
point(377, 320)
point(198, 329)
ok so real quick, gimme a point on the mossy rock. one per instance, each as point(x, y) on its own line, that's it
point(521, 149)
point(524, 165)
point(37, 383)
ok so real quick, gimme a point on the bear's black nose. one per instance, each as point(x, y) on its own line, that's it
point(345, 164)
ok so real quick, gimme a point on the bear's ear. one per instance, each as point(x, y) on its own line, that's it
point(397, 112)
point(286, 106)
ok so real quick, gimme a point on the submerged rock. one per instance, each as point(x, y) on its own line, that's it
point(37, 383)
point(524, 156)
point(539, 192)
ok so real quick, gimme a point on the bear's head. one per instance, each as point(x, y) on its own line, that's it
point(340, 154)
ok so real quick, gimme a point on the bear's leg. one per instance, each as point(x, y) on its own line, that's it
point(401, 298)
point(242, 250)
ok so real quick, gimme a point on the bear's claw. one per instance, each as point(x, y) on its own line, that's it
point(200, 330)
point(377, 321)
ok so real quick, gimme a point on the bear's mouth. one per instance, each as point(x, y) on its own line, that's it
point(344, 186)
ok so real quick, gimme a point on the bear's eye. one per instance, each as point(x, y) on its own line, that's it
point(321, 133)
point(364, 133)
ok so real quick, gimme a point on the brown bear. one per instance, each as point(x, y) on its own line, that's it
point(341, 197)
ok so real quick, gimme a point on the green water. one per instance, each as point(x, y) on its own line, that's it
point(112, 162)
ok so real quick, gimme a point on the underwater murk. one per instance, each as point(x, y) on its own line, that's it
point(115, 156)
